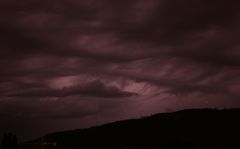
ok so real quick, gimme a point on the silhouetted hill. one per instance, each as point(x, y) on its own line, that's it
point(184, 129)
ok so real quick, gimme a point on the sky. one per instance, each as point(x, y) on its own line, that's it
point(79, 63)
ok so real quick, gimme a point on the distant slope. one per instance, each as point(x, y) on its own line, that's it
point(188, 128)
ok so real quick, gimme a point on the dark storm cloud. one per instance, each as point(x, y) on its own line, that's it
point(36, 27)
point(180, 86)
point(103, 33)
point(51, 53)
point(96, 88)
point(174, 20)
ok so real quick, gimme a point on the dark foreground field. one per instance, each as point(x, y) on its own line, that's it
point(188, 129)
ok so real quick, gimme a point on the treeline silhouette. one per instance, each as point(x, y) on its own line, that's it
point(188, 129)
point(9, 141)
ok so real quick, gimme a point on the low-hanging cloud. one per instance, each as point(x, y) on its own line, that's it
point(95, 89)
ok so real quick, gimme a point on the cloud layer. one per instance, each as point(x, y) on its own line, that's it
point(96, 61)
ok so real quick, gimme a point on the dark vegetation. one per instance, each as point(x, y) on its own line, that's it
point(9, 141)
point(188, 129)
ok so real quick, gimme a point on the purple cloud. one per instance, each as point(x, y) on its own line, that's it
point(99, 61)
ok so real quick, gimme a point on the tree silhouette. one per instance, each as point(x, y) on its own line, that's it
point(9, 141)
